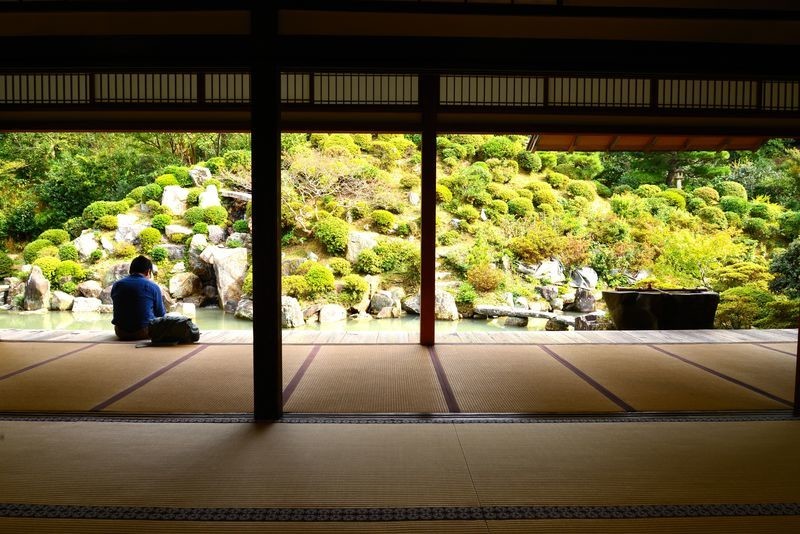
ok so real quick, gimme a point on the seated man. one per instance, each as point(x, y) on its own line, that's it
point(137, 300)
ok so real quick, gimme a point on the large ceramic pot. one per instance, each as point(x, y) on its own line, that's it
point(653, 309)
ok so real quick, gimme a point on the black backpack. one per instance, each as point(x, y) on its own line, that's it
point(173, 330)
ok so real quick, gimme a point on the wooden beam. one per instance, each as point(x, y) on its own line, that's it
point(797, 375)
point(649, 145)
point(612, 144)
point(532, 143)
point(429, 93)
point(724, 144)
point(572, 144)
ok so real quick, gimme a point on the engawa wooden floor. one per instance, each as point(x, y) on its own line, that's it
point(618, 372)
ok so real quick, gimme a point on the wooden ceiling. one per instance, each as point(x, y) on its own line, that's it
point(641, 143)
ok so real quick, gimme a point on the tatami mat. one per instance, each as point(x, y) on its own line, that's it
point(15, 356)
point(791, 348)
point(233, 465)
point(517, 379)
point(82, 380)
point(682, 525)
point(218, 379)
point(633, 463)
point(765, 369)
point(379, 379)
point(649, 380)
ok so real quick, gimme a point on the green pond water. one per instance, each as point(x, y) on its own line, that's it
point(214, 319)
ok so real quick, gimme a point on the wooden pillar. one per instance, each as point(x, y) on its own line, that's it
point(429, 93)
point(266, 189)
point(797, 375)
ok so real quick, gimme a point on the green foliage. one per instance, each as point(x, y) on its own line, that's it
point(354, 289)
point(450, 149)
point(333, 233)
point(180, 239)
point(368, 262)
point(708, 194)
point(217, 164)
point(152, 192)
point(55, 236)
point(238, 161)
point(193, 196)
point(741, 307)
point(542, 193)
point(529, 161)
point(556, 179)
point(200, 228)
point(247, 284)
point(790, 225)
point(340, 266)
point(469, 183)
point(148, 238)
point(674, 199)
point(399, 257)
point(786, 268)
point(51, 251)
point(96, 255)
point(31, 250)
point(68, 252)
point(739, 274)
point(181, 175)
point(602, 189)
point(520, 207)
point(734, 204)
point(386, 152)
point(71, 270)
point(762, 211)
point(611, 230)
point(694, 204)
point(383, 220)
point(98, 209)
point(500, 191)
point(485, 277)
point(106, 222)
point(215, 215)
point(74, 226)
point(230, 243)
point(158, 254)
point(194, 215)
point(781, 313)
point(48, 265)
point(166, 179)
point(579, 165)
point(6, 265)
point(628, 206)
point(500, 147)
point(549, 160)
point(68, 286)
point(449, 237)
point(498, 206)
point(319, 279)
point(688, 258)
point(578, 188)
point(732, 189)
point(503, 170)
point(467, 213)
point(758, 228)
point(410, 181)
point(734, 219)
point(387, 201)
point(161, 221)
point(539, 244)
point(713, 216)
point(295, 286)
point(647, 190)
point(137, 194)
point(466, 294)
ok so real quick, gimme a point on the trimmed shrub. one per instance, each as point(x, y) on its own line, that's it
point(383, 220)
point(713, 216)
point(740, 307)
point(503, 192)
point(247, 284)
point(732, 189)
point(503, 170)
point(520, 207)
point(734, 204)
point(647, 190)
point(368, 262)
point(194, 215)
point(333, 233)
point(674, 199)
point(181, 175)
point(161, 221)
point(500, 147)
point(148, 238)
point(239, 160)
point(761, 210)
point(106, 222)
point(152, 192)
point(542, 193)
point(319, 279)
point(539, 244)
point(70, 269)
point(734, 219)
point(695, 203)
point(48, 265)
point(96, 255)
point(485, 277)
point(529, 161)
point(240, 225)
point(621, 189)
point(32, 249)
point(450, 237)
point(232, 243)
point(525, 193)
point(158, 254)
point(200, 228)
point(51, 251)
point(340, 266)
point(708, 194)
point(294, 286)
point(98, 209)
point(354, 289)
point(549, 160)
point(215, 215)
point(68, 252)
point(359, 210)
point(166, 179)
point(790, 225)
point(55, 236)
point(556, 179)
point(781, 313)
point(758, 228)
point(602, 189)
point(74, 226)
point(467, 213)
point(466, 294)
point(786, 268)
point(136, 194)
point(410, 181)
point(193, 196)
point(180, 239)
point(499, 206)
point(216, 164)
point(6, 265)
point(399, 257)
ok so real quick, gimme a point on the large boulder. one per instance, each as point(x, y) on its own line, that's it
point(291, 314)
point(381, 300)
point(331, 313)
point(105, 295)
point(84, 304)
point(358, 241)
point(199, 175)
point(15, 287)
point(174, 197)
point(174, 252)
point(548, 293)
point(244, 309)
point(86, 243)
point(196, 264)
point(184, 284)
point(585, 277)
point(60, 301)
point(289, 266)
point(209, 197)
point(107, 244)
point(584, 301)
point(117, 272)
point(445, 305)
point(166, 298)
point(128, 229)
point(230, 267)
point(551, 270)
point(216, 234)
point(90, 288)
point(172, 229)
point(37, 291)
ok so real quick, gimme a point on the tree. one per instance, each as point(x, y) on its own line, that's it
point(636, 168)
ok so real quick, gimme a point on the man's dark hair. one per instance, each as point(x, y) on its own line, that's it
point(140, 265)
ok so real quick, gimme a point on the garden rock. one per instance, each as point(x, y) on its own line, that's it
point(362, 306)
point(411, 304)
point(556, 325)
point(331, 313)
point(241, 237)
point(374, 282)
point(380, 300)
point(551, 270)
point(37, 291)
point(521, 322)
point(358, 241)
point(557, 304)
point(106, 308)
point(128, 229)
point(199, 175)
point(521, 302)
point(244, 310)
point(590, 322)
point(172, 229)
point(291, 314)
point(61, 301)
point(179, 267)
point(174, 197)
point(311, 310)
point(174, 252)
point(86, 244)
point(413, 198)
point(445, 307)
point(184, 284)
point(584, 301)
point(311, 256)
point(216, 234)
point(105, 295)
point(548, 293)
point(289, 267)
point(585, 277)
point(107, 244)
point(209, 197)
point(230, 268)
point(85, 304)
point(166, 298)
point(198, 243)
point(117, 272)
point(90, 288)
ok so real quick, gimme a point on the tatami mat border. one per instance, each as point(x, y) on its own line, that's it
point(51, 511)
point(402, 419)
